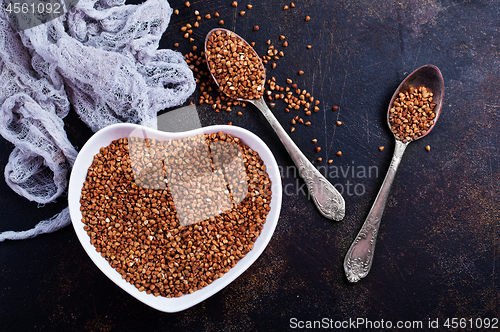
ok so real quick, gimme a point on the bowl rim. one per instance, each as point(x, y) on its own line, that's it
point(103, 138)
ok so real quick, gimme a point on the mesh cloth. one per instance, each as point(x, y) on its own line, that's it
point(102, 58)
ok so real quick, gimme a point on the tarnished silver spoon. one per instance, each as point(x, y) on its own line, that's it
point(326, 197)
point(359, 258)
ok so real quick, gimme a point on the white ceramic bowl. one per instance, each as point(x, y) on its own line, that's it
point(104, 138)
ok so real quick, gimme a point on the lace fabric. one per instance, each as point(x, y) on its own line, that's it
point(102, 58)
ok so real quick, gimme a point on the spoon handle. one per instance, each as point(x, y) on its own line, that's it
point(326, 197)
point(359, 258)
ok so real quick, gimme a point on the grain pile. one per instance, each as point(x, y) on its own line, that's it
point(235, 65)
point(412, 114)
point(173, 216)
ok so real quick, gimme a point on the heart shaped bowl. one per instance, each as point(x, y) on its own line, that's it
point(103, 138)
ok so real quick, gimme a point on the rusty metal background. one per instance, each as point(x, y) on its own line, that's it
point(438, 247)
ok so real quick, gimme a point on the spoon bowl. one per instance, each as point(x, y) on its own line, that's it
point(429, 76)
point(260, 69)
point(359, 258)
point(325, 196)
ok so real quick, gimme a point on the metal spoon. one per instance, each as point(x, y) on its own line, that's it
point(359, 258)
point(326, 197)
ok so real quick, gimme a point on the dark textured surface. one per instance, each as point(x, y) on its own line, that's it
point(438, 247)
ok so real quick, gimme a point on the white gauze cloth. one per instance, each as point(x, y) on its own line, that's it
point(101, 57)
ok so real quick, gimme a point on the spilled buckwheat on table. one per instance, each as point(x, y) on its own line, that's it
point(173, 216)
point(298, 102)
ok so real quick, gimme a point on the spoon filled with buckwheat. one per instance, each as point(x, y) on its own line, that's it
point(238, 71)
point(413, 112)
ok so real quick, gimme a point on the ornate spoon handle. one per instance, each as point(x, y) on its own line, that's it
point(326, 197)
point(359, 258)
